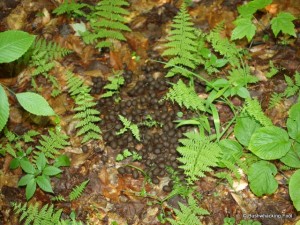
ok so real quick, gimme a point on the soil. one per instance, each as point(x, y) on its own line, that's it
point(114, 192)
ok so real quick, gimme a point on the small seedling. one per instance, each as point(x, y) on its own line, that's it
point(126, 154)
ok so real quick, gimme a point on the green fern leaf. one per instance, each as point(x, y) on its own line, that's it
point(50, 145)
point(198, 155)
point(185, 96)
point(77, 191)
point(275, 100)
point(182, 45)
point(85, 112)
point(254, 110)
point(107, 22)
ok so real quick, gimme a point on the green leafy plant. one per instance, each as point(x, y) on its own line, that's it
point(85, 113)
point(77, 191)
point(181, 45)
point(31, 214)
point(198, 155)
point(107, 23)
point(38, 174)
point(231, 221)
point(13, 45)
point(188, 214)
point(186, 96)
point(71, 8)
point(116, 81)
point(50, 144)
point(245, 27)
point(149, 122)
point(42, 55)
point(128, 125)
point(127, 153)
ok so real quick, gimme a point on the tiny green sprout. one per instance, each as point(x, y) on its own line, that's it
point(179, 114)
point(127, 153)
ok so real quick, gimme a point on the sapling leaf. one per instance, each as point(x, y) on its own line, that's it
point(14, 44)
point(4, 108)
point(62, 160)
point(249, 9)
point(27, 167)
point(44, 183)
point(261, 178)
point(270, 143)
point(41, 161)
point(25, 179)
point(283, 22)
point(35, 104)
point(294, 189)
point(30, 189)
point(51, 171)
point(244, 28)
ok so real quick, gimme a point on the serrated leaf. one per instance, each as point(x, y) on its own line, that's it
point(270, 143)
point(25, 179)
point(4, 108)
point(44, 183)
point(51, 171)
point(261, 178)
point(283, 22)
point(62, 160)
point(13, 44)
point(27, 167)
point(35, 104)
point(250, 8)
point(244, 28)
point(30, 189)
point(41, 161)
point(294, 189)
point(244, 128)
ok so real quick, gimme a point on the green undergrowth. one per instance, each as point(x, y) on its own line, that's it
point(248, 143)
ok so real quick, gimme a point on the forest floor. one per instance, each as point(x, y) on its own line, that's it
point(115, 193)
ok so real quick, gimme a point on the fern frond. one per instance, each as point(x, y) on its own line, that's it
point(32, 215)
point(198, 155)
point(70, 8)
point(116, 81)
point(188, 214)
point(226, 176)
point(50, 145)
point(58, 198)
point(128, 125)
point(77, 191)
point(223, 46)
point(85, 113)
point(292, 87)
point(275, 99)
point(107, 22)
point(253, 108)
point(185, 96)
point(182, 44)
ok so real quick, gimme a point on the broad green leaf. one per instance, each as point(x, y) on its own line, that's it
point(243, 92)
point(231, 150)
point(30, 189)
point(14, 163)
point(25, 179)
point(78, 28)
point(250, 8)
point(44, 183)
point(13, 44)
point(244, 128)
point(41, 161)
point(35, 104)
point(283, 22)
point(294, 189)
point(293, 122)
point(4, 107)
point(261, 178)
point(27, 167)
point(51, 171)
point(62, 160)
point(244, 28)
point(270, 143)
point(292, 158)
